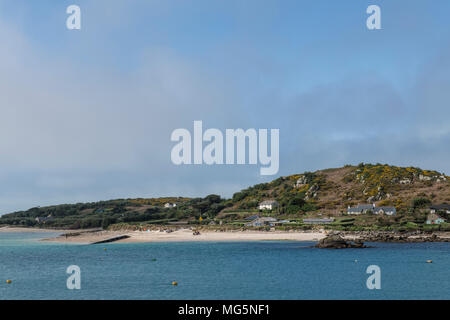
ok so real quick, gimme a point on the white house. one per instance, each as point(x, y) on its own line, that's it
point(390, 211)
point(170, 205)
point(361, 208)
point(268, 205)
point(440, 208)
point(264, 221)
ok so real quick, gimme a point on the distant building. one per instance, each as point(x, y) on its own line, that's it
point(440, 208)
point(390, 211)
point(318, 221)
point(360, 209)
point(268, 205)
point(251, 218)
point(264, 221)
point(43, 219)
point(170, 205)
point(434, 218)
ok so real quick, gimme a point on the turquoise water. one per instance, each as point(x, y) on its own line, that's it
point(213, 270)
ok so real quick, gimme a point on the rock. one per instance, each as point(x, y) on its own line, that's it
point(424, 178)
point(337, 242)
point(301, 181)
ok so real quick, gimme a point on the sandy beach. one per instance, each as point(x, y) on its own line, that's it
point(183, 235)
point(22, 229)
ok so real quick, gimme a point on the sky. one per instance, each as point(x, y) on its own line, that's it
point(87, 115)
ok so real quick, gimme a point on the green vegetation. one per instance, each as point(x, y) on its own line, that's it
point(324, 193)
point(105, 213)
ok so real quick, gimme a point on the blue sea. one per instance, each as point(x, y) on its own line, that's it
point(220, 270)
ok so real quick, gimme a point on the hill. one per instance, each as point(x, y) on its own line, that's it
point(310, 194)
point(331, 191)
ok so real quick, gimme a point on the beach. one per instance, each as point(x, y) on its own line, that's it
point(23, 229)
point(185, 235)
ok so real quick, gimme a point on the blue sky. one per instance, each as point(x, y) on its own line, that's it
point(87, 114)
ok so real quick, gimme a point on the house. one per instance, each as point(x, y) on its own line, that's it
point(360, 209)
point(440, 208)
point(268, 205)
point(264, 221)
point(434, 218)
point(170, 205)
point(43, 219)
point(390, 211)
point(318, 221)
point(251, 218)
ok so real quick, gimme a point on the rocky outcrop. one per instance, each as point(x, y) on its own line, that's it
point(392, 236)
point(337, 242)
point(301, 182)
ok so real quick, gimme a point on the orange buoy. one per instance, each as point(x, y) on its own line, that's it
point(8, 281)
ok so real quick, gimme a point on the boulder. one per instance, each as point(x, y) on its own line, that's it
point(337, 242)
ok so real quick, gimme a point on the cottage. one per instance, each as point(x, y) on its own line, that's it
point(170, 205)
point(268, 205)
point(434, 218)
point(360, 209)
point(318, 221)
point(440, 208)
point(264, 221)
point(390, 211)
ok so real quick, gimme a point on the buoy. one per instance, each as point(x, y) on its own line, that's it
point(154, 259)
point(174, 283)
point(104, 249)
point(8, 281)
point(429, 261)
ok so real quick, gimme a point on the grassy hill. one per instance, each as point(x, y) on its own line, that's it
point(322, 193)
point(331, 191)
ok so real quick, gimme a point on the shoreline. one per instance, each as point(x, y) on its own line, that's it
point(186, 235)
point(89, 236)
point(24, 229)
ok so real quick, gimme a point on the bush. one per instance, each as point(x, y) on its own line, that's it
point(420, 203)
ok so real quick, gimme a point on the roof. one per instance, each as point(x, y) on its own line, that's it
point(440, 207)
point(388, 209)
point(354, 209)
point(434, 216)
point(365, 206)
point(318, 220)
point(252, 217)
point(268, 219)
point(266, 202)
point(261, 221)
point(360, 208)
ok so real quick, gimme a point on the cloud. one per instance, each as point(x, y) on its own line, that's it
point(88, 116)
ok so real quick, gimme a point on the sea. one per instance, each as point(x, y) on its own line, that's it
point(220, 270)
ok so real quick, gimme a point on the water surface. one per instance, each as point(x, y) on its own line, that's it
point(220, 270)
